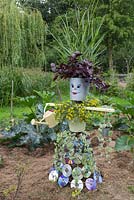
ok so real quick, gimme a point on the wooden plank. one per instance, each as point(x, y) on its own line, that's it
point(99, 109)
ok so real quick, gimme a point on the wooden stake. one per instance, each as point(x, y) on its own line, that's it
point(11, 109)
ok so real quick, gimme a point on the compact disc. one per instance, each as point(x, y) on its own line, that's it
point(90, 184)
point(97, 176)
point(53, 176)
point(77, 184)
point(66, 170)
point(63, 181)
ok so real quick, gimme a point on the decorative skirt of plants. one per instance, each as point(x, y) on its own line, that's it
point(74, 164)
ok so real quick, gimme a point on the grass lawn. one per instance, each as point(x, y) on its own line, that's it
point(5, 112)
point(18, 111)
point(117, 100)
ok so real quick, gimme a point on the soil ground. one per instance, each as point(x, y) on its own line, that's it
point(116, 169)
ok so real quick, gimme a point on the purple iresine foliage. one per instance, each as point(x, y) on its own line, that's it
point(76, 68)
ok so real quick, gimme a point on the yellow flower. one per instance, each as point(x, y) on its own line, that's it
point(71, 110)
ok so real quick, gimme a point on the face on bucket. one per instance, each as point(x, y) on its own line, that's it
point(78, 88)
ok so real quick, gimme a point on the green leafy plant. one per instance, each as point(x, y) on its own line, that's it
point(131, 188)
point(125, 143)
point(30, 102)
point(46, 96)
point(126, 121)
point(25, 134)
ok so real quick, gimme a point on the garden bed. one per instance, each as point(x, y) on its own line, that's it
point(116, 169)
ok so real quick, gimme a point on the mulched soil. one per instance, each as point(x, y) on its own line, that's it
point(117, 170)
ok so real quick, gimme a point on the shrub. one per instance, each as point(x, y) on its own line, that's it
point(35, 79)
point(112, 79)
point(6, 77)
point(130, 81)
point(25, 82)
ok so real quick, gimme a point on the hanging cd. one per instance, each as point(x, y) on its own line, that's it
point(100, 179)
point(77, 184)
point(59, 165)
point(86, 171)
point(97, 176)
point(90, 184)
point(51, 169)
point(66, 170)
point(63, 181)
point(77, 173)
point(53, 176)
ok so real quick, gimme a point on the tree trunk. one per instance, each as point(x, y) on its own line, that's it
point(110, 54)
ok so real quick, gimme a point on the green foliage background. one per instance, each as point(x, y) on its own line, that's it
point(22, 36)
point(118, 26)
point(101, 30)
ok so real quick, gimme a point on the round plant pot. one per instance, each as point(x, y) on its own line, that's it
point(78, 89)
point(76, 125)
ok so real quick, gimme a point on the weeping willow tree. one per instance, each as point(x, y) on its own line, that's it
point(22, 36)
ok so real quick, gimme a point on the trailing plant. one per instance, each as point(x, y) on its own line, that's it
point(105, 127)
point(71, 148)
point(73, 159)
